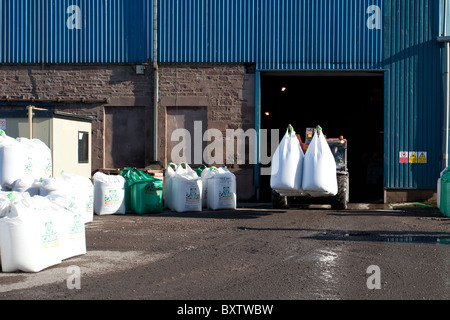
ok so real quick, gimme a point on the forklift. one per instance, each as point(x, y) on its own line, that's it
point(340, 201)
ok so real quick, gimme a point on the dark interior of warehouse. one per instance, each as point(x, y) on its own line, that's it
point(343, 105)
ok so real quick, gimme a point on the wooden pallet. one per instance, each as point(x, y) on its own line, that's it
point(159, 174)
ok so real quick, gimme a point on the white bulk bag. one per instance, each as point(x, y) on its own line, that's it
point(82, 192)
point(23, 158)
point(206, 174)
point(73, 234)
point(12, 161)
point(31, 157)
point(287, 165)
point(73, 237)
point(319, 168)
point(170, 173)
point(186, 190)
point(42, 161)
point(30, 236)
point(109, 194)
point(222, 190)
point(77, 188)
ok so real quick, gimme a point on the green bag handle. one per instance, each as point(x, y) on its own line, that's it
point(171, 164)
point(184, 165)
point(12, 196)
point(318, 130)
point(291, 130)
point(126, 172)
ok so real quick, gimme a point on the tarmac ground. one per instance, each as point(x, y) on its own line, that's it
point(368, 252)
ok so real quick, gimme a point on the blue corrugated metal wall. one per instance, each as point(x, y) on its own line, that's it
point(75, 31)
point(318, 35)
point(207, 30)
point(413, 92)
point(277, 35)
point(282, 34)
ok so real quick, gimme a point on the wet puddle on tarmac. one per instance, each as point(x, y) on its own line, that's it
point(369, 236)
point(418, 239)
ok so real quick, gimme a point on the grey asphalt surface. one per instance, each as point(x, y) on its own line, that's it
point(254, 253)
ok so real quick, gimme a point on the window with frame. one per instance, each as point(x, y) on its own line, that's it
point(83, 147)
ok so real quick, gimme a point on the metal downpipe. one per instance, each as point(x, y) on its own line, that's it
point(155, 82)
point(447, 105)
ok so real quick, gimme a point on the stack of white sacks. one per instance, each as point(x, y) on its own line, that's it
point(42, 219)
point(186, 191)
point(296, 174)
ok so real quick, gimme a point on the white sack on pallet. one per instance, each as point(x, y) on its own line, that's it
point(319, 168)
point(186, 190)
point(222, 190)
point(287, 165)
point(30, 236)
point(109, 194)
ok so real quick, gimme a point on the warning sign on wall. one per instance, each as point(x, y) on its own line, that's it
point(413, 157)
point(404, 157)
point(3, 124)
point(423, 157)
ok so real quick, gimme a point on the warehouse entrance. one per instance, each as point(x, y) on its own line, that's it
point(343, 104)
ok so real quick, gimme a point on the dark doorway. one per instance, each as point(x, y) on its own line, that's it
point(124, 137)
point(343, 105)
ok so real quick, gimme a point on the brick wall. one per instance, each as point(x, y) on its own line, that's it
point(227, 92)
point(65, 86)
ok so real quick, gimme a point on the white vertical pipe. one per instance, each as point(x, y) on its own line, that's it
point(30, 120)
